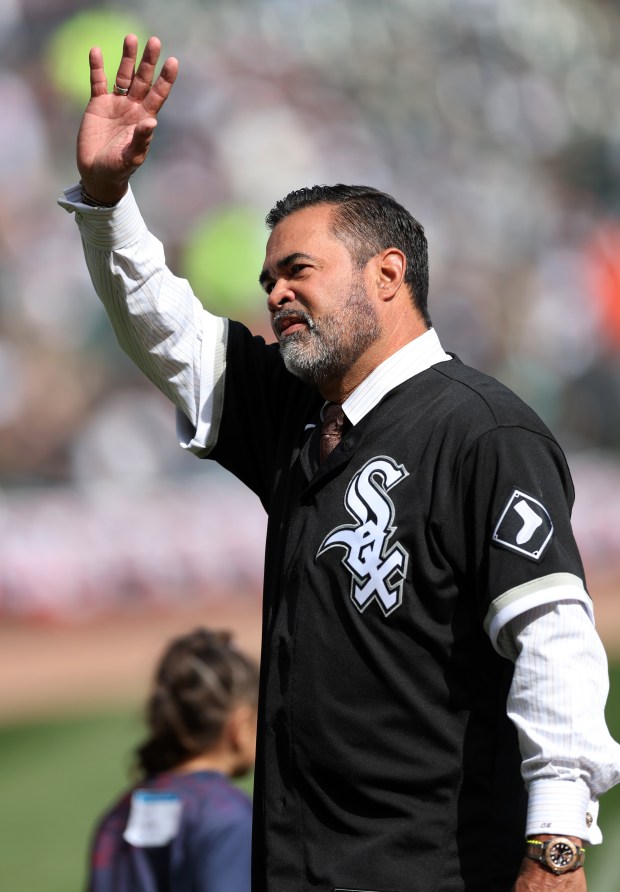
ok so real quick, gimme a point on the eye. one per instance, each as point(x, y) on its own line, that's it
point(298, 267)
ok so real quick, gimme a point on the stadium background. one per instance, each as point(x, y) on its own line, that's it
point(496, 122)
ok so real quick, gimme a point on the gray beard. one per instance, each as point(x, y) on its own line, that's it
point(326, 350)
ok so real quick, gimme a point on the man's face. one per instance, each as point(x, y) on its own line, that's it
point(321, 312)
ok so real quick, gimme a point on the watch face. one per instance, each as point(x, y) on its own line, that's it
point(561, 855)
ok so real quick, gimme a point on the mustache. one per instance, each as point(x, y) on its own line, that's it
point(297, 315)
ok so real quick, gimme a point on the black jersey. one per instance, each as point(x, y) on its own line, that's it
point(386, 760)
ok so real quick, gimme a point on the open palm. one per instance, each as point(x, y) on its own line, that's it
point(116, 130)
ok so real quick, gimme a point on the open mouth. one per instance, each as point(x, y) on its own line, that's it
point(288, 323)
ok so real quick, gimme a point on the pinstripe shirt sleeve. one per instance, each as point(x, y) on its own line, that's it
point(557, 702)
point(157, 319)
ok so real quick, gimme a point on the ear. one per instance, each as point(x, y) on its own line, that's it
point(390, 267)
point(240, 733)
point(240, 725)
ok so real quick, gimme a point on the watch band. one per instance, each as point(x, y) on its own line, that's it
point(559, 854)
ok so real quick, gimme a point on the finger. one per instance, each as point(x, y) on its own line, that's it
point(98, 80)
point(125, 71)
point(146, 69)
point(162, 86)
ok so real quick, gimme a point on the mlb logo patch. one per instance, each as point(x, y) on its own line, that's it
point(524, 526)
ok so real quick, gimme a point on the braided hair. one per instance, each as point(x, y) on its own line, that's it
point(200, 679)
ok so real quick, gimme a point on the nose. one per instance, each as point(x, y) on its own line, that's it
point(279, 295)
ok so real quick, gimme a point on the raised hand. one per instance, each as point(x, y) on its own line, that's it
point(117, 127)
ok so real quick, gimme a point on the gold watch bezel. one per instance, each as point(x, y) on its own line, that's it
point(560, 840)
point(544, 849)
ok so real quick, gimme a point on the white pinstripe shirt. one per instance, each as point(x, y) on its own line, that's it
point(560, 683)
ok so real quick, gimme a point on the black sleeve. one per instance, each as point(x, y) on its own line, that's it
point(264, 411)
point(516, 496)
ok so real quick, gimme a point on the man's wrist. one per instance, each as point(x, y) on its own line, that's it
point(556, 854)
point(96, 196)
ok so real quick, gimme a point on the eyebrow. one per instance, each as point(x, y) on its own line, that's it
point(283, 263)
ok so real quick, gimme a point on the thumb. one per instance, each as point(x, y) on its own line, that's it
point(140, 141)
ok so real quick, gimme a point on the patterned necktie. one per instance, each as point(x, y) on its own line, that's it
point(331, 431)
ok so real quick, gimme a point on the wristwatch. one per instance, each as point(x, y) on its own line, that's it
point(557, 854)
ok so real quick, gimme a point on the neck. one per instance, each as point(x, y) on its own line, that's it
point(219, 762)
point(337, 391)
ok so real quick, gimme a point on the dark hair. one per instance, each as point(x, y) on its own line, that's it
point(368, 221)
point(199, 680)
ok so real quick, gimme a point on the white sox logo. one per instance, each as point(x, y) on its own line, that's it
point(378, 569)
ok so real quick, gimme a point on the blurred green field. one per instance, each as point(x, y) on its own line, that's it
point(57, 776)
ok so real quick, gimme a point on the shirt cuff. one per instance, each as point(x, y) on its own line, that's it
point(562, 807)
point(107, 229)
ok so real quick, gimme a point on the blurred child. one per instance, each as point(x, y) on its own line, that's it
point(185, 826)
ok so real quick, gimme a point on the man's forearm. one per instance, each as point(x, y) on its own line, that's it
point(156, 318)
point(557, 703)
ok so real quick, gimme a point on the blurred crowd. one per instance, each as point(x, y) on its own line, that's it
point(495, 122)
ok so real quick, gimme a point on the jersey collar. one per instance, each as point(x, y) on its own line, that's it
point(415, 357)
